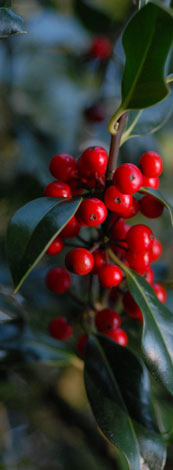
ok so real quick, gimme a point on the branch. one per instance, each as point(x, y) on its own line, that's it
point(114, 147)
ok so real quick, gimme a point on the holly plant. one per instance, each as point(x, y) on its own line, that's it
point(121, 331)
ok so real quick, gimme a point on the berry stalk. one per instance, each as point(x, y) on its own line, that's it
point(114, 148)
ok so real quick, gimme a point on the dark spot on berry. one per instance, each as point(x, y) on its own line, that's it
point(93, 217)
point(118, 200)
point(132, 177)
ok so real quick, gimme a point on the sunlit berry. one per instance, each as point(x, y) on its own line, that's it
point(151, 207)
point(156, 249)
point(71, 229)
point(92, 212)
point(151, 182)
point(139, 260)
point(93, 162)
point(99, 260)
point(128, 178)
point(160, 292)
point(55, 247)
point(151, 164)
point(139, 238)
point(132, 211)
point(79, 261)
point(116, 201)
point(57, 189)
point(119, 335)
point(119, 229)
point(62, 166)
point(110, 276)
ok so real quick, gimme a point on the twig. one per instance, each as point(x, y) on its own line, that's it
point(114, 148)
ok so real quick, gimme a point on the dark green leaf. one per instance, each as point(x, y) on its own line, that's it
point(93, 18)
point(148, 121)
point(118, 388)
point(149, 33)
point(158, 195)
point(31, 230)
point(10, 23)
point(157, 334)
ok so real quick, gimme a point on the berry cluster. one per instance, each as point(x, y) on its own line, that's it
point(105, 206)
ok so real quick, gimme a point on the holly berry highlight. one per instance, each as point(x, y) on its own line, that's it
point(103, 212)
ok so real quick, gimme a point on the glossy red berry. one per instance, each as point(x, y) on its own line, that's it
point(151, 207)
point(116, 201)
point(139, 260)
point(106, 320)
point(57, 189)
point(110, 276)
point(62, 166)
point(71, 229)
point(128, 178)
point(101, 48)
point(79, 261)
point(99, 260)
point(58, 280)
point(151, 164)
point(160, 292)
point(55, 247)
point(60, 329)
point(149, 276)
point(119, 335)
point(131, 307)
point(119, 230)
point(133, 209)
point(151, 182)
point(92, 212)
point(156, 249)
point(140, 238)
point(92, 163)
point(81, 345)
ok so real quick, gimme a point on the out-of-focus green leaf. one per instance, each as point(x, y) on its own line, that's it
point(157, 195)
point(150, 34)
point(31, 230)
point(10, 23)
point(118, 389)
point(148, 121)
point(92, 17)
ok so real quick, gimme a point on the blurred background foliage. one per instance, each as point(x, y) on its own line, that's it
point(48, 84)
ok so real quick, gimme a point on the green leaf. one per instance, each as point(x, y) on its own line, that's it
point(10, 23)
point(148, 121)
point(149, 33)
point(31, 230)
point(118, 389)
point(157, 334)
point(157, 331)
point(92, 17)
point(158, 195)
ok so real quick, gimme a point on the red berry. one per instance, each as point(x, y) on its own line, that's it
point(92, 212)
point(151, 182)
point(93, 162)
point(119, 230)
point(156, 249)
point(151, 207)
point(101, 48)
point(55, 247)
point(58, 280)
point(79, 261)
point(110, 276)
point(119, 336)
point(139, 238)
point(160, 292)
point(151, 164)
point(71, 229)
point(149, 276)
point(106, 320)
point(62, 166)
point(116, 201)
point(57, 189)
point(75, 186)
point(128, 178)
point(120, 251)
point(139, 260)
point(95, 113)
point(60, 329)
point(133, 209)
point(131, 307)
point(81, 345)
point(99, 260)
